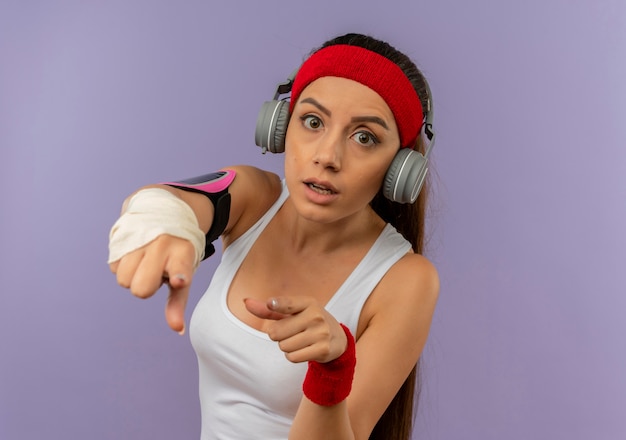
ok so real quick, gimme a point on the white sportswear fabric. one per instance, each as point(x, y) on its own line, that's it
point(248, 390)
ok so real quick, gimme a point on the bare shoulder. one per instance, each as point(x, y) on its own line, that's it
point(252, 193)
point(255, 183)
point(415, 276)
point(408, 292)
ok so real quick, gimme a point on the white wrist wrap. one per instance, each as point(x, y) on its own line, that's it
point(152, 212)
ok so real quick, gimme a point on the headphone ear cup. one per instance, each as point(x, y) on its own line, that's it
point(271, 126)
point(405, 176)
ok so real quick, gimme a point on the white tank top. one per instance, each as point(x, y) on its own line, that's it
point(248, 389)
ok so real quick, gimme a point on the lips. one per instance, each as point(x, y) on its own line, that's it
point(321, 187)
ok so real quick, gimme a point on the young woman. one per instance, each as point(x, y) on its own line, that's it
point(315, 320)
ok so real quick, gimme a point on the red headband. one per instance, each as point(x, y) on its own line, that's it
point(372, 70)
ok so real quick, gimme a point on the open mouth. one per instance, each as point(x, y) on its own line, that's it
point(320, 189)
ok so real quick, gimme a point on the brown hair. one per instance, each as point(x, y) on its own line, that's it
point(397, 421)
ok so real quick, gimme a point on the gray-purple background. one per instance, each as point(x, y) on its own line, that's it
point(527, 221)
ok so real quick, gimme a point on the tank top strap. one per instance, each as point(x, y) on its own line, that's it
point(348, 301)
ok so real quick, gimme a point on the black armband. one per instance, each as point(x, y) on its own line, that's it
point(215, 187)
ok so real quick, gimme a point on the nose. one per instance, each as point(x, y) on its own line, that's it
point(329, 152)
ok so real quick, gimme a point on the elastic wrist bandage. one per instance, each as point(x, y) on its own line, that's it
point(152, 212)
point(329, 383)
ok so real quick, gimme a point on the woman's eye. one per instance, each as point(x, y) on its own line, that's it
point(311, 122)
point(365, 138)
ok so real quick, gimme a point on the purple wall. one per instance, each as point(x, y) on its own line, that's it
point(528, 215)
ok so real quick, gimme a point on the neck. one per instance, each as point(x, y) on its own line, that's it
point(307, 236)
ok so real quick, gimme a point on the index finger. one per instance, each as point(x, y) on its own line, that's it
point(289, 305)
point(176, 303)
point(261, 309)
point(178, 273)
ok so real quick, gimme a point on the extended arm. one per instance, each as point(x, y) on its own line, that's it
point(173, 259)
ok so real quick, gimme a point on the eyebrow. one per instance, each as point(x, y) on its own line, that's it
point(327, 112)
point(318, 105)
point(374, 119)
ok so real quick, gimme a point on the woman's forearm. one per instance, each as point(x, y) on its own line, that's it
point(314, 421)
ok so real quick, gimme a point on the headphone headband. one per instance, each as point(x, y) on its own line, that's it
point(372, 70)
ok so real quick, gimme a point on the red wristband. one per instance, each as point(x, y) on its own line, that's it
point(329, 383)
